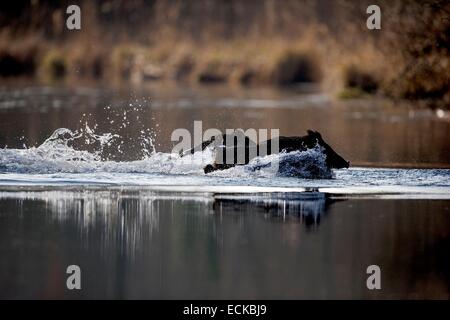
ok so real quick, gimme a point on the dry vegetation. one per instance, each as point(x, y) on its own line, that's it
point(240, 42)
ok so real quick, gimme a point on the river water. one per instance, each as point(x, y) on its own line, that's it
point(87, 178)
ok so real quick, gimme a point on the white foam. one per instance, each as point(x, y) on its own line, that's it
point(58, 163)
point(57, 155)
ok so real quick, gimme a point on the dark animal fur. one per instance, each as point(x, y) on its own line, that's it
point(244, 149)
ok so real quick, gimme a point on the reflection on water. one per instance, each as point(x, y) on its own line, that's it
point(131, 242)
point(305, 208)
point(142, 244)
point(123, 214)
point(362, 131)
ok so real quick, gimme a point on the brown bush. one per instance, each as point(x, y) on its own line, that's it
point(362, 80)
point(296, 67)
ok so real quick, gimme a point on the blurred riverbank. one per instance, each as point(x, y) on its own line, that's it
point(253, 43)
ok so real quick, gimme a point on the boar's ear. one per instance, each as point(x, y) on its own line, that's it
point(313, 133)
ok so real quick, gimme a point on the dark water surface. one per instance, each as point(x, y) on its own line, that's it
point(364, 132)
point(136, 244)
point(141, 232)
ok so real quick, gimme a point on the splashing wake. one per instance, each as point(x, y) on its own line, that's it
point(83, 151)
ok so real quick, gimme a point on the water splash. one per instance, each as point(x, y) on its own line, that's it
point(83, 151)
point(133, 138)
point(308, 164)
